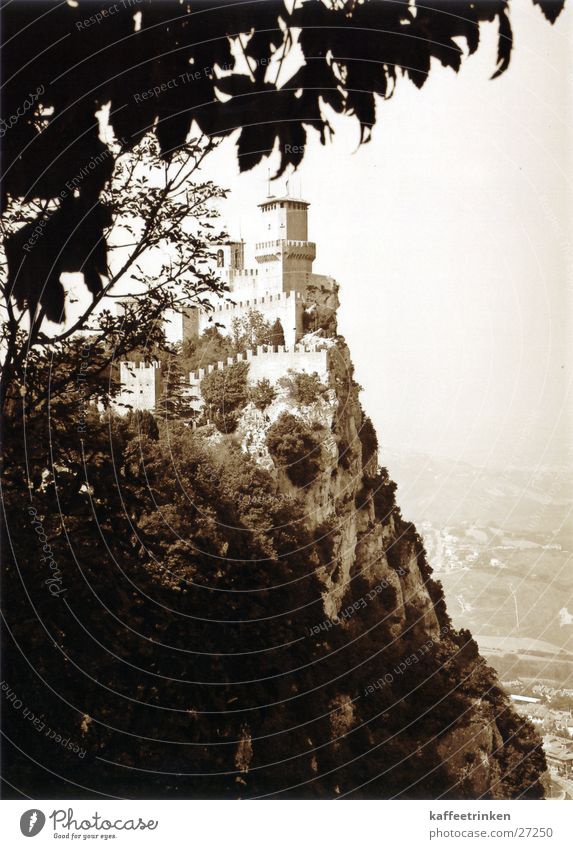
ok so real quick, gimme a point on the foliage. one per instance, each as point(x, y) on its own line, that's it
point(303, 388)
point(522, 759)
point(214, 346)
point(382, 490)
point(142, 423)
point(225, 393)
point(163, 221)
point(303, 60)
point(187, 580)
point(263, 393)
point(383, 494)
point(173, 403)
point(211, 347)
point(252, 329)
point(162, 590)
point(182, 565)
point(276, 334)
point(369, 440)
point(295, 448)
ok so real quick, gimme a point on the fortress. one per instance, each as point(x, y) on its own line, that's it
point(281, 287)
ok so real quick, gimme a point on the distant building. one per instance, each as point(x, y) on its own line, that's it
point(559, 755)
point(279, 287)
point(564, 722)
point(276, 286)
point(524, 699)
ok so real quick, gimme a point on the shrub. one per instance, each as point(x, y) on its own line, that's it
point(303, 388)
point(294, 446)
point(142, 423)
point(382, 490)
point(369, 440)
point(276, 333)
point(383, 494)
point(250, 330)
point(173, 404)
point(225, 393)
point(263, 394)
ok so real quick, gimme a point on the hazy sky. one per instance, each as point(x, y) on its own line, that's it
point(450, 234)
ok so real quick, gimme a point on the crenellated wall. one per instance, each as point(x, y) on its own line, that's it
point(288, 307)
point(141, 386)
point(271, 363)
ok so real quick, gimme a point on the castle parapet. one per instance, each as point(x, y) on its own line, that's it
point(274, 359)
point(252, 303)
point(141, 386)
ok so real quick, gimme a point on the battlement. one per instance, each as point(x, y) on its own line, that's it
point(288, 243)
point(243, 272)
point(132, 367)
point(258, 302)
point(271, 362)
point(141, 385)
point(277, 287)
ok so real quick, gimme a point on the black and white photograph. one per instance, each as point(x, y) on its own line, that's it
point(286, 422)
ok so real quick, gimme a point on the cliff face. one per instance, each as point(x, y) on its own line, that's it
point(243, 611)
point(375, 578)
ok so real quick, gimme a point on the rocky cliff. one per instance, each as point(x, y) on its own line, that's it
point(375, 579)
point(241, 609)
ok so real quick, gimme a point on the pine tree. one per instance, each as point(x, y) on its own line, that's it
point(173, 403)
point(277, 335)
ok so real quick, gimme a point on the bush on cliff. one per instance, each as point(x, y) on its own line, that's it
point(294, 446)
point(303, 388)
point(383, 493)
point(263, 394)
point(368, 440)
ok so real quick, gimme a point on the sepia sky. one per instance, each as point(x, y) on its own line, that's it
point(450, 234)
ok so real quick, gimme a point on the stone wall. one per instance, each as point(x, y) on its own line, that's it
point(269, 363)
point(286, 306)
point(141, 386)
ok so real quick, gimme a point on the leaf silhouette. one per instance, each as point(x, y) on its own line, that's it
point(68, 240)
point(163, 77)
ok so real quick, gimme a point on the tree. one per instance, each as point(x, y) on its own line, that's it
point(263, 394)
point(157, 217)
point(250, 330)
point(368, 440)
point(180, 562)
point(142, 423)
point(225, 393)
point(350, 55)
point(276, 334)
point(72, 473)
point(164, 583)
point(173, 404)
point(212, 347)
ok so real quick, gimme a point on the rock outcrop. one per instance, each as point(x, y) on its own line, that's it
point(374, 575)
point(246, 611)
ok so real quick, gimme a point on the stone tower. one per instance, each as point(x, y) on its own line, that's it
point(284, 256)
point(271, 276)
